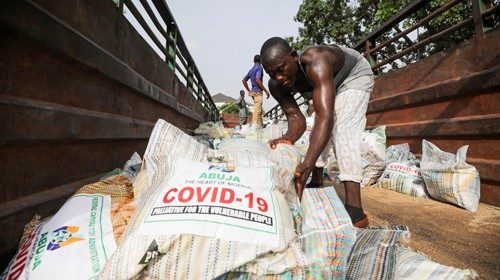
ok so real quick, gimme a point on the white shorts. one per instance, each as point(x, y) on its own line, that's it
point(349, 124)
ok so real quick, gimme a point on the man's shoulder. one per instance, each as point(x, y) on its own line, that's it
point(257, 67)
point(257, 71)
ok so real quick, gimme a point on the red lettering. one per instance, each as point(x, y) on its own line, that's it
point(250, 199)
point(214, 194)
point(16, 273)
point(223, 198)
point(262, 204)
point(201, 196)
point(190, 192)
point(166, 199)
point(21, 258)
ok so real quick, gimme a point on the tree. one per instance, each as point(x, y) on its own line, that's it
point(340, 21)
point(229, 108)
point(347, 22)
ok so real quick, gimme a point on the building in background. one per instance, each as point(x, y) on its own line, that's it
point(221, 101)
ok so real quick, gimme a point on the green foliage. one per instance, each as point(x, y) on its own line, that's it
point(324, 22)
point(447, 19)
point(387, 8)
point(229, 108)
point(347, 22)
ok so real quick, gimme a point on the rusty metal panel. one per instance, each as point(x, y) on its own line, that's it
point(487, 81)
point(466, 59)
point(104, 25)
point(450, 99)
point(487, 125)
point(72, 123)
point(59, 36)
point(33, 166)
point(80, 91)
point(75, 85)
point(490, 193)
point(461, 106)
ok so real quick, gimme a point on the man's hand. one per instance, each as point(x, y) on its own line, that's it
point(301, 174)
point(282, 140)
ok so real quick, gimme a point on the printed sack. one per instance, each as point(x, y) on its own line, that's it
point(373, 145)
point(198, 219)
point(449, 178)
point(372, 172)
point(403, 177)
point(76, 242)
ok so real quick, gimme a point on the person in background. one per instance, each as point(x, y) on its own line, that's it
point(242, 104)
point(339, 80)
point(255, 75)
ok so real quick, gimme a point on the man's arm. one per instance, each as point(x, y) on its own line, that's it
point(244, 81)
point(261, 86)
point(320, 72)
point(323, 102)
point(296, 120)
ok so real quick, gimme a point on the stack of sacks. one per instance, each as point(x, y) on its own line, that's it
point(325, 233)
point(204, 139)
point(374, 253)
point(80, 237)
point(303, 142)
point(251, 132)
point(449, 178)
point(373, 155)
point(270, 132)
point(194, 210)
point(253, 225)
point(244, 128)
point(236, 131)
point(373, 145)
point(244, 152)
point(214, 130)
point(379, 254)
point(413, 265)
point(401, 152)
point(372, 172)
point(132, 167)
point(326, 239)
point(402, 173)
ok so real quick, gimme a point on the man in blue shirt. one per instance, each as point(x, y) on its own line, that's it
point(255, 76)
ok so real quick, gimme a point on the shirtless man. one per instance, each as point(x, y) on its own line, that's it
point(339, 81)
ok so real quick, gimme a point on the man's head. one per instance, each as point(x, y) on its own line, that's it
point(242, 92)
point(256, 59)
point(279, 61)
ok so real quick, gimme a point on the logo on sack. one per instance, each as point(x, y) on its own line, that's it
point(226, 169)
point(64, 236)
point(151, 253)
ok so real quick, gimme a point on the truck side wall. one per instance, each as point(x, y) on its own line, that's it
point(80, 91)
point(451, 99)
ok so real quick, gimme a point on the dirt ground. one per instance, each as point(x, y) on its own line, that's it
point(448, 234)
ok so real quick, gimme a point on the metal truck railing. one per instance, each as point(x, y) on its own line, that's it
point(381, 46)
point(483, 17)
point(158, 27)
